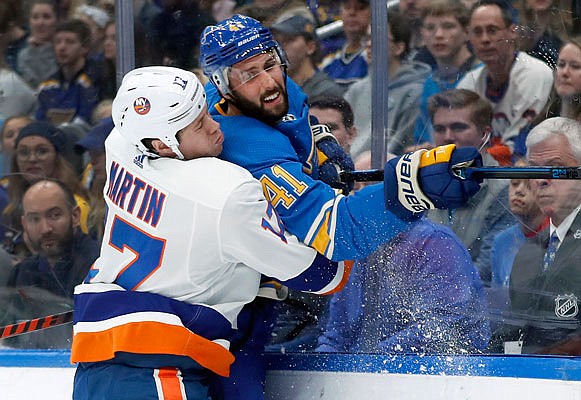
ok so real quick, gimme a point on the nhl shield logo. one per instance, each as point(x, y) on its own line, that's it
point(566, 306)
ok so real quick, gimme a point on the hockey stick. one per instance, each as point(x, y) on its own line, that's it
point(374, 175)
point(36, 324)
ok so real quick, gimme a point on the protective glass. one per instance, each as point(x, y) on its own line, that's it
point(238, 76)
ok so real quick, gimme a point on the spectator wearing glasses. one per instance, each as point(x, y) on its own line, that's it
point(545, 281)
point(516, 84)
point(40, 152)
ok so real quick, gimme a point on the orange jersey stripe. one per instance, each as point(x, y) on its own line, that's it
point(169, 383)
point(344, 279)
point(151, 338)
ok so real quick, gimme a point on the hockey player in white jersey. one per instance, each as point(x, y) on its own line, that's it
point(187, 238)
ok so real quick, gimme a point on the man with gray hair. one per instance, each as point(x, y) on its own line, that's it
point(545, 282)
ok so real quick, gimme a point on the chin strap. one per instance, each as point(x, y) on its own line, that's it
point(174, 148)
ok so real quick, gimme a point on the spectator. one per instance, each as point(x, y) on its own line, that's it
point(516, 84)
point(66, 8)
point(542, 28)
point(405, 80)
point(463, 118)
point(407, 298)
point(16, 97)
point(106, 5)
point(9, 133)
point(531, 221)
point(36, 61)
point(348, 64)
point(412, 10)
point(326, 12)
point(173, 31)
point(63, 255)
point(94, 176)
point(17, 34)
point(103, 110)
point(568, 81)
point(445, 32)
point(565, 99)
point(545, 282)
point(69, 95)
point(219, 9)
point(506, 244)
point(268, 11)
point(108, 66)
point(39, 153)
point(337, 114)
point(97, 19)
point(296, 35)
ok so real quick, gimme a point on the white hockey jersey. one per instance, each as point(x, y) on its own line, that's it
point(529, 86)
point(185, 244)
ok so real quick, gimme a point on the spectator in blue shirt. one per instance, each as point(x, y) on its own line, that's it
point(71, 94)
point(349, 64)
point(419, 293)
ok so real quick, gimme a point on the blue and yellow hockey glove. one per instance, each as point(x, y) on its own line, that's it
point(332, 159)
point(423, 180)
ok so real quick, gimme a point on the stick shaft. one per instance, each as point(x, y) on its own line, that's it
point(36, 324)
point(375, 175)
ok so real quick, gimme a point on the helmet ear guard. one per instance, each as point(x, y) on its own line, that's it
point(220, 80)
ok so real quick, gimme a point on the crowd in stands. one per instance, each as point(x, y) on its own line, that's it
point(503, 76)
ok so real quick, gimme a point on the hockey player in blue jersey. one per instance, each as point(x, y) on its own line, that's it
point(265, 121)
point(187, 237)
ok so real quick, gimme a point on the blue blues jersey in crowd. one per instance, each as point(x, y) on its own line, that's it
point(284, 158)
point(60, 100)
point(346, 69)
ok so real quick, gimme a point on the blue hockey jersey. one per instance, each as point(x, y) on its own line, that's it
point(284, 158)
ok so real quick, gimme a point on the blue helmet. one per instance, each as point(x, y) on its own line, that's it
point(233, 40)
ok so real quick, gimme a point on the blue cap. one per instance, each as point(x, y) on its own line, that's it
point(294, 26)
point(95, 138)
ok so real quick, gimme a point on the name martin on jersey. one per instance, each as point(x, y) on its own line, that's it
point(134, 195)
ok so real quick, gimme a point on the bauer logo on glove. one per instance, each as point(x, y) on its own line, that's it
point(425, 180)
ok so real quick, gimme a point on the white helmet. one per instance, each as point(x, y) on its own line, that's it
point(155, 103)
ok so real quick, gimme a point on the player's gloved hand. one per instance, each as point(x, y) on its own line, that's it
point(423, 180)
point(332, 159)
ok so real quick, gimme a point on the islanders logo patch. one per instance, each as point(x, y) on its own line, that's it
point(141, 105)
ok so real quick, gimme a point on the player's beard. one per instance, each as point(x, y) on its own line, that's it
point(258, 111)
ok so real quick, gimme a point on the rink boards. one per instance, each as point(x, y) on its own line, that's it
point(48, 375)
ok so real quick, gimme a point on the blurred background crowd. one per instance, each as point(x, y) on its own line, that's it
point(503, 76)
